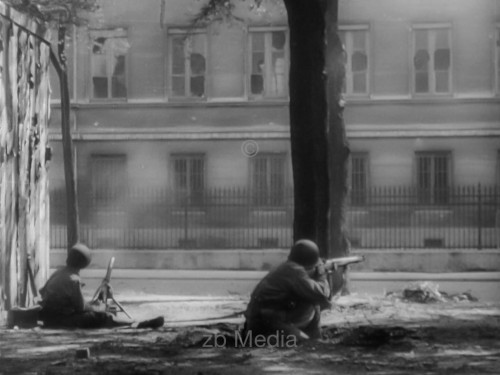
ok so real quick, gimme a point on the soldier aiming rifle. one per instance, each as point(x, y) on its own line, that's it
point(289, 299)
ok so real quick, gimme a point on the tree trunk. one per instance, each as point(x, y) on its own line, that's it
point(67, 143)
point(337, 141)
point(338, 149)
point(317, 131)
point(308, 115)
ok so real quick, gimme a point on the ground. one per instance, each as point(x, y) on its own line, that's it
point(361, 334)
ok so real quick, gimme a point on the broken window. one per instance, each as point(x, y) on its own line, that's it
point(187, 64)
point(432, 59)
point(355, 41)
point(269, 62)
point(108, 65)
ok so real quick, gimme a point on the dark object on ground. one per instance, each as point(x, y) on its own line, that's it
point(368, 336)
point(83, 353)
point(152, 323)
point(23, 317)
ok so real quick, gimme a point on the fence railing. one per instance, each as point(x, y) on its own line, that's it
point(393, 217)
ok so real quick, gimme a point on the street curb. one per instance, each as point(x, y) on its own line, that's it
point(257, 275)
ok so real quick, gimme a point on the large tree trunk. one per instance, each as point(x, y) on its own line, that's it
point(24, 198)
point(317, 132)
point(308, 114)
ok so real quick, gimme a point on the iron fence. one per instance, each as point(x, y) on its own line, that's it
point(236, 218)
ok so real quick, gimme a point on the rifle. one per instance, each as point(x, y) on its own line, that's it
point(105, 292)
point(337, 280)
point(333, 264)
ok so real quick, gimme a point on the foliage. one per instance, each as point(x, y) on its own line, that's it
point(67, 12)
point(222, 10)
point(214, 10)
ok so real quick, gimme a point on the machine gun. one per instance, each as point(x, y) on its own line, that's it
point(104, 292)
point(333, 264)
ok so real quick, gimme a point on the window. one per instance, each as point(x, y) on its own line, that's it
point(189, 177)
point(355, 40)
point(108, 176)
point(269, 62)
point(433, 177)
point(109, 63)
point(431, 59)
point(359, 178)
point(497, 59)
point(187, 64)
point(268, 179)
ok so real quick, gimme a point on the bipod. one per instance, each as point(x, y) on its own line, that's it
point(104, 292)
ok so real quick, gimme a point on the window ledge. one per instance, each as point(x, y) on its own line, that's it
point(350, 100)
point(436, 100)
point(176, 104)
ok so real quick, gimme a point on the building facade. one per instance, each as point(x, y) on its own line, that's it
point(165, 114)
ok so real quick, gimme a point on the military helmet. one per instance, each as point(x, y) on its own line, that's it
point(79, 256)
point(305, 253)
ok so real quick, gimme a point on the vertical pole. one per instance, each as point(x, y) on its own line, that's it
point(479, 218)
point(186, 219)
point(69, 175)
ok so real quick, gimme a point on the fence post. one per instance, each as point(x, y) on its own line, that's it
point(186, 234)
point(479, 218)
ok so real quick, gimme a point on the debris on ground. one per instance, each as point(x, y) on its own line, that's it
point(428, 292)
point(361, 334)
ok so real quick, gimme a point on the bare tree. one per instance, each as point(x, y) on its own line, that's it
point(62, 15)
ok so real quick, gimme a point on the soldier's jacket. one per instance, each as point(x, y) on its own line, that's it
point(62, 294)
point(286, 288)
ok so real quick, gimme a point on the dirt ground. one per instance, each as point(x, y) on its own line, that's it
point(361, 335)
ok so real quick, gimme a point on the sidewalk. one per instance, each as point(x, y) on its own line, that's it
point(376, 260)
point(155, 284)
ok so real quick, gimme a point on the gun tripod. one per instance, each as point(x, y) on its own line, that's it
point(104, 292)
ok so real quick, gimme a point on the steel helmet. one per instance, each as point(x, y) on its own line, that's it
point(305, 253)
point(79, 256)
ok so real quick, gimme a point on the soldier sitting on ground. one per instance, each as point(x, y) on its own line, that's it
point(289, 299)
point(63, 304)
